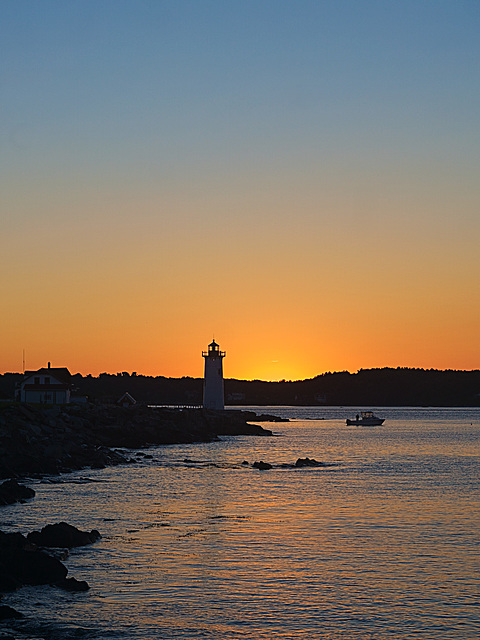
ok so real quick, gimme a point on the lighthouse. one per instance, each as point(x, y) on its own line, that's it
point(213, 379)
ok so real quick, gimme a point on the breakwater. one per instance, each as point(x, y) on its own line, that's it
point(39, 440)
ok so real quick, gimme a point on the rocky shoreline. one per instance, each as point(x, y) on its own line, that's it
point(37, 441)
point(33, 560)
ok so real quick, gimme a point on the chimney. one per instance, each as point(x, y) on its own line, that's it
point(49, 365)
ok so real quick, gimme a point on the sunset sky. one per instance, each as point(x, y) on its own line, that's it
point(299, 180)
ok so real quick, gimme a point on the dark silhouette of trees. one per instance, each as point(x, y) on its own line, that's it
point(372, 387)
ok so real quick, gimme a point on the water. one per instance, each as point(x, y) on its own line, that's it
point(382, 544)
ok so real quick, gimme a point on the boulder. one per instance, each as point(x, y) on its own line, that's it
point(7, 583)
point(62, 535)
point(263, 466)
point(13, 541)
point(7, 613)
point(31, 567)
point(72, 584)
point(11, 492)
point(308, 462)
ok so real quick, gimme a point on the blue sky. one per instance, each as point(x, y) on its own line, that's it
point(136, 134)
point(202, 73)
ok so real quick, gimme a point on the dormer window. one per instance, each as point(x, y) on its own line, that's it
point(36, 380)
point(47, 380)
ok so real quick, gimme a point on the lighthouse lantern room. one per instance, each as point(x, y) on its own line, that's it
point(213, 379)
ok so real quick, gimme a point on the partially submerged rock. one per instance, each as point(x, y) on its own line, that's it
point(308, 462)
point(62, 535)
point(31, 567)
point(262, 466)
point(7, 583)
point(21, 563)
point(72, 584)
point(11, 492)
point(14, 540)
point(7, 613)
point(301, 462)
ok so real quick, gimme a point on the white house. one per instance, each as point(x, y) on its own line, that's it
point(50, 385)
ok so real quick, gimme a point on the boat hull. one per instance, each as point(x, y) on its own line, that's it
point(366, 422)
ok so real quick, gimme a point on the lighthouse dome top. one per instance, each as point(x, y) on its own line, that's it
point(213, 351)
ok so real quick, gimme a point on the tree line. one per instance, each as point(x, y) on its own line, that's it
point(374, 387)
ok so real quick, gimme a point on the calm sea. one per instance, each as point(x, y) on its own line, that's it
point(382, 544)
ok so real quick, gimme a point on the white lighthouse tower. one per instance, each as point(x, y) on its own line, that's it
point(213, 380)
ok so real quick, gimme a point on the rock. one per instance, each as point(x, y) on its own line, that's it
point(72, 584)
point(58, 553)
point(7, 613)
point(62, 535)
point(7, 583)
point(245, 463)
point(22, 564)
point(11, 492)
point(263, 466)
point(31, 567)
point(13, 541)
point(308, 462)
point(266, 417)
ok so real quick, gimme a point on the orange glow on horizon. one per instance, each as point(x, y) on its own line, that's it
point(313, 221)
point(245, 360)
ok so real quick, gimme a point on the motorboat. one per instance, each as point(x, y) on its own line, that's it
point(366, 419)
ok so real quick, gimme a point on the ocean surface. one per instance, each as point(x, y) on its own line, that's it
point(381, 544)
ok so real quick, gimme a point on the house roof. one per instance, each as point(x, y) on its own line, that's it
point(62, 374)
point(127, 398)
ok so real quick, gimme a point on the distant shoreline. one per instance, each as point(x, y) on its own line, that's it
point(387, 387)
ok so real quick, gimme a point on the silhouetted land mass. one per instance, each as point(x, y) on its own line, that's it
point(52, 439)
point(379, 387)
point(368, 387)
